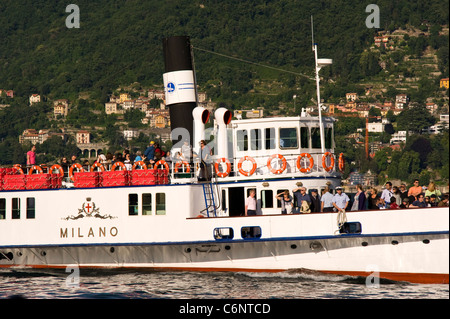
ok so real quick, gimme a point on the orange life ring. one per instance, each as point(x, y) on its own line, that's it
point(341, 163)
point(242, 160)
point(37, 168)
point(324, 164)
point(121, 164)
point(18, 167)
point(228, 170)
point(97, 164)
point(139, 163)
point(161, 162)
point(182, 163)
point(76, 165)
point(283, 165)
point(311, 162)
point(57, 167)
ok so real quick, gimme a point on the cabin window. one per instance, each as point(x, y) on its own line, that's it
point(266, 198)
point(160, 203)
point(2, 208)
point(242, 140)
point(146, 204)
point(223, 233)
point(132, 204)
point(31, 207)
point(304, 137)
point(328, 137)
point(288, 138)
point(270, 138)
point(15, 212)
point(255, 140)
point(315, 137)
point(251, 232)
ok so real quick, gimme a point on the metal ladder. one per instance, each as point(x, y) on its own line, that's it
point(208, 194)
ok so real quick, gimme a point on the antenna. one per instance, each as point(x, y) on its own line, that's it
point(319, 63)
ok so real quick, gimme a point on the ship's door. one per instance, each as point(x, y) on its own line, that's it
point(236, 201)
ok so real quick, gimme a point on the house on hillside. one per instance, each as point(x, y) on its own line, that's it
point(35, 98)
point(83, 137)
point(61, 107)
point(8, 93)
point(401, 101)
point(444, 83)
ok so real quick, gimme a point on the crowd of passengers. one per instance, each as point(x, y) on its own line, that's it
point(152, 154)
point(391, 197)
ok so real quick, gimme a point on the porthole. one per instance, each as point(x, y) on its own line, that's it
point(227, 247)
point(188, 250)
point(43, 253)
point(426, 241)
point(364, 244)
point(394, 242)
point(294, 246)
point(112, 250)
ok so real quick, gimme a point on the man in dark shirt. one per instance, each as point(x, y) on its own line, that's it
point(419, 203)
point(301, 196)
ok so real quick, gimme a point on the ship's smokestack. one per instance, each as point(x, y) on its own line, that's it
point(223, 118)
point(179, 84)
point(201, 117)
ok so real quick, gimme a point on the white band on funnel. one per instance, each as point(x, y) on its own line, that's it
point(179, 87)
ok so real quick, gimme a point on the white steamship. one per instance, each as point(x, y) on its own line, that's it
point(163, 217)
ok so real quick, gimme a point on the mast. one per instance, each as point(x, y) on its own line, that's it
point(319, 63)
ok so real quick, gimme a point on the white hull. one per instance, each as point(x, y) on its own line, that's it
point(409, 245)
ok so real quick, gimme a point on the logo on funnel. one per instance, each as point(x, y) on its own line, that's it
point(170, 87)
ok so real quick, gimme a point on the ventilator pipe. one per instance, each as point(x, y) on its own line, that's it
point(201, 117)
point(223, 118)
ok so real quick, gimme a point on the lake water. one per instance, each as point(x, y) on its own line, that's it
point(118, 284)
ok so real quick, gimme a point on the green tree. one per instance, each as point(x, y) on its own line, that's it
point(415, 119)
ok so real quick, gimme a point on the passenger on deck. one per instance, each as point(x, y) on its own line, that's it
point(149, 153)
point(168, 158)
point(415, 190)
point(403, 191)
point(444, 201)
point(433, 201)
point(372, 199)
point(419, 203)
point(301, 196)
point(286, 202)
point(315, 201)
point(138, 156)
point(359, 202)
point(74, 159)
point(65, 166)
point(31, 156)
point(340, 200)
point(250, 204)
point(396, 192)
point(205, 157)
point(101, 158)
point(405, 203)
point(393, 204)
point(186, 151)
point(432, 190)
point(127, 162)
point(327, 201)
point(386, 195)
